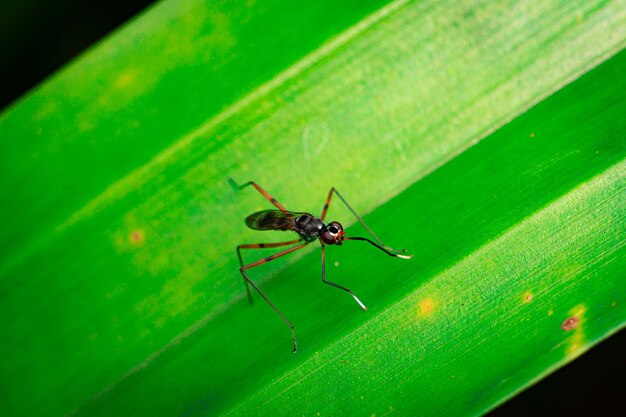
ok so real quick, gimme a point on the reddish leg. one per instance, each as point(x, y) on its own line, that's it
point(261, 190)
point(259, 246)
point(381, 245)
point(261, 262)
point(327, 204)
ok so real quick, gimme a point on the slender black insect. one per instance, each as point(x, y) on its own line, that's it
point(309, 229)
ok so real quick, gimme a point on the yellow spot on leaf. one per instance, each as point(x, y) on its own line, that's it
point(576, 344)
point(528, 297)
point(425, 307)
point(125, 79)
point(573, 324)
point(579, 310)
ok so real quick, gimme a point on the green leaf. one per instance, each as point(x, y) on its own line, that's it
point(119, 281)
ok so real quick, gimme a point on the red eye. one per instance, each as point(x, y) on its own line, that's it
point(328, 238)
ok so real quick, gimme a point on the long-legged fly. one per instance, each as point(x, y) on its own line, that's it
point(309, 228)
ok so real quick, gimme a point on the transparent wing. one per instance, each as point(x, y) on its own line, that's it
point(272, 220)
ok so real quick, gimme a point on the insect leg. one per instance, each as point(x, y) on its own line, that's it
point(261, 262)
point(338, 286)
point(259, 246)
point(382, 248)
point(327, 204)
point(325, 210)
point(259, 189)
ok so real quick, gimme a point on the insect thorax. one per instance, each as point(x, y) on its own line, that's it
point(309, 227)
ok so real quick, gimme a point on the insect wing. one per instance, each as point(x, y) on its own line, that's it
point(272, 220)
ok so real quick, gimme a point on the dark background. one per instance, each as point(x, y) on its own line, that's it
point(38, 37)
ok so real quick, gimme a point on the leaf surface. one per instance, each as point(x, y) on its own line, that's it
point(120, 287)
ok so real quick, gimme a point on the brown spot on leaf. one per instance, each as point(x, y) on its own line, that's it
point(570, 323)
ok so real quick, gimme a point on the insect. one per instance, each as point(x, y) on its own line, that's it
point(309, 229)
